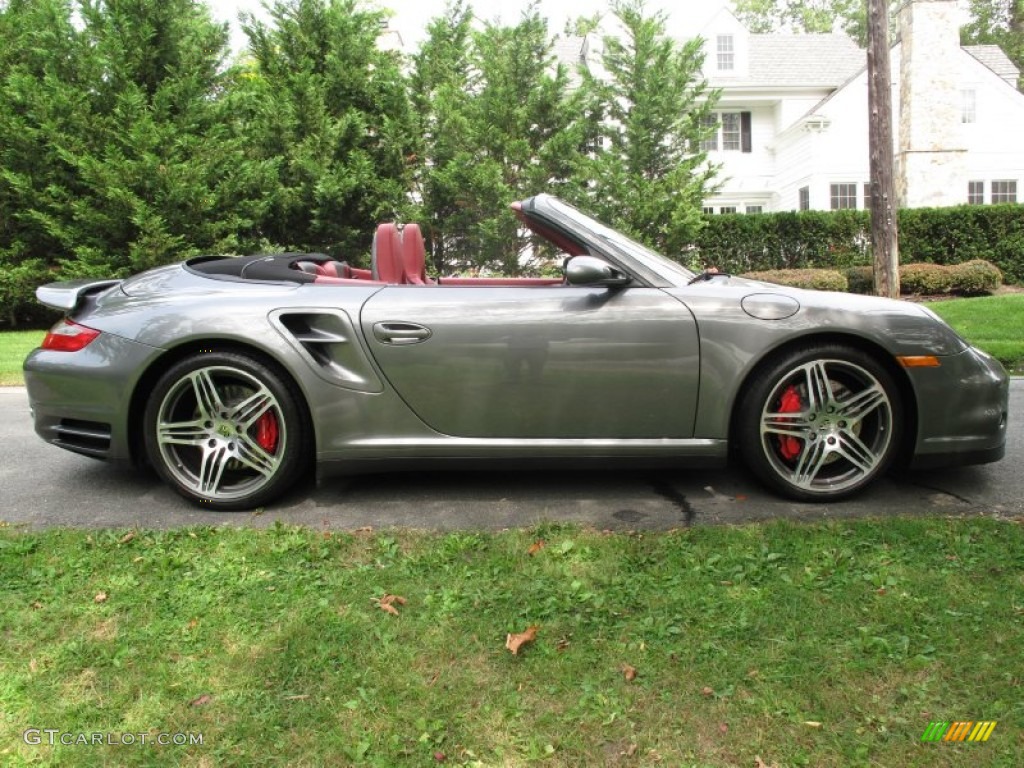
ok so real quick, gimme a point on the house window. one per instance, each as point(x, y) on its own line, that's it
point(867, 196)
point(843, 196)
point(709, 123)
point(731, 131)
point(708, 210)
point(976, 192)
point(727, 209)
point(968, 106)
point(726, 53)
point(1004, 191)
point(805, 198)
point(754, 209)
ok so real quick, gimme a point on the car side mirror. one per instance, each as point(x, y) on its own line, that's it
point(589, 270)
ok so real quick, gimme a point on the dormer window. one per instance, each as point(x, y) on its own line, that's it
point(726, 53)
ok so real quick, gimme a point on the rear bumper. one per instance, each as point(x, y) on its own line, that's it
point(963, 408)
point(81, 400)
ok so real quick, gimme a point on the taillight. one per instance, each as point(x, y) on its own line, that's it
point(67, 336)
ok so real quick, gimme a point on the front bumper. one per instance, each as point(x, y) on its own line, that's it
point(81, 400)
point(962, 411)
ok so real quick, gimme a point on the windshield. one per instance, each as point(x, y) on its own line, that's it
point(641, 253)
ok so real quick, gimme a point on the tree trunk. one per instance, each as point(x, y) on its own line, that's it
point(883, 192)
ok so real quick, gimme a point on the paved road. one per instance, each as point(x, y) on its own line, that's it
point(44, 486)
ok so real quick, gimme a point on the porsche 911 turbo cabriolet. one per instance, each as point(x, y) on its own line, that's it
point(234, 376)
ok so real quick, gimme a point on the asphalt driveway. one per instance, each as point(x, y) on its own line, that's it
point(43, 486)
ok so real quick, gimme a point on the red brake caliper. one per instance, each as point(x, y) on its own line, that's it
point(789, 446)
point(266, 432)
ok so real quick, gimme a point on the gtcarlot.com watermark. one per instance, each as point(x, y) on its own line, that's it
point(55, 736)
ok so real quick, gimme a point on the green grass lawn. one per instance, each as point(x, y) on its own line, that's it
point(832, 644)
point(14, 347)
point(993, 323)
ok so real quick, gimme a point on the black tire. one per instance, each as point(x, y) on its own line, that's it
point(226, 430)
point(820, 423)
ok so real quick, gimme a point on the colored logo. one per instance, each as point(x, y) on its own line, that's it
point(961, 730)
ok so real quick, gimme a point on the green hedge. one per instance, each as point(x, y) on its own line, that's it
point(740, 243)
point(968, 279)
point(816, 279)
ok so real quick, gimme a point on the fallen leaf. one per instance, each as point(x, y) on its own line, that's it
point(138, 559)
point(759, 763)
point(201, 700)
point(297, 697)
point(562, 644)
point(723, 728)
point(630, 750)
point(37, 605)
point(387, 602)
point(515, 641)
point(629, 672)
point(536, 547)
point(440, 757)
point(128, 537)
point(753, 674)
point(192, 624)
point(101, 597)
point(812, 723)
point(707, 691)
point(32, 665)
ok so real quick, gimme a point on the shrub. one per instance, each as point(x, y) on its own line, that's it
point(925, 279)
point(816, 279)
point(860, 279)
point(971, 277)
point(976, 276)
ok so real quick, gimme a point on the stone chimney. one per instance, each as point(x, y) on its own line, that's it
point(931, 158)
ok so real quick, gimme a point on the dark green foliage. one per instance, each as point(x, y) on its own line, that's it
point(498, 124)
point(815, 279)
point(116, 152)
point(737, 243)
point(842, 239)
point(649, 178)
point(329, 109)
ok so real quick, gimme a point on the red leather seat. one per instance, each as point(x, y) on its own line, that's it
point(386, 255)
point(414, 256)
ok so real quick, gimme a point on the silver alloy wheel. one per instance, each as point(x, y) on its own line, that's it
point(208, 433)
point(842, 422)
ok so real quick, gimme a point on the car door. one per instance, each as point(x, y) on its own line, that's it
point(543, 362)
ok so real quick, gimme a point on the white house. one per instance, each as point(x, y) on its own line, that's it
point(793, 117)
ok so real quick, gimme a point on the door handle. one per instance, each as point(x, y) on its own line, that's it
point(400, 333)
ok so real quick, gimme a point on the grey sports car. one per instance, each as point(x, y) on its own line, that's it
point(234, 376)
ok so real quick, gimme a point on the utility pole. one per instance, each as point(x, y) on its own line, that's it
point(883, 190)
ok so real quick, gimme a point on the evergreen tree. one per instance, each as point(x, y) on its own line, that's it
point(500, 126)
point(38, 77)
point(331, 110)
point(116, 154)
point(650, 177)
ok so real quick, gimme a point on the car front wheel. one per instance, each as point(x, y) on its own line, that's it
point(821, 423)
point(225, 430)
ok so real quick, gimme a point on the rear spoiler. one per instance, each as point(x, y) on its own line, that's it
point(66, 296)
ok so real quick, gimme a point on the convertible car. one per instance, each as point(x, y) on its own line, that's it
point(234, 376)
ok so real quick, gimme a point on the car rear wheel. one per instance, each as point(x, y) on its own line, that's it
point(225, 430)
point(820, 423)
